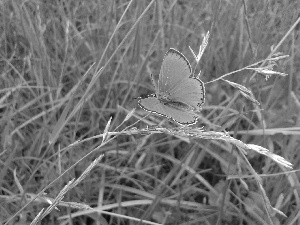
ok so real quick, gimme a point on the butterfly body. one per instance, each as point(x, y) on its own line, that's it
point(166, 100)
point(179, 95)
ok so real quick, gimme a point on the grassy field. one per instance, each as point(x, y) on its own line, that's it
point(75, 147)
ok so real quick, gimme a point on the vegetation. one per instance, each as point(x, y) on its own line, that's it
point(76, 148)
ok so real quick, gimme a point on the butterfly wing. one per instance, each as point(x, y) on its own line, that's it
point(175, 67)
point(176, 81)
point(190, 91)
point(153, 104)
point(179, 94)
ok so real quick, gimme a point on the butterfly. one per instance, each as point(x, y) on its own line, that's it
point(178, 93)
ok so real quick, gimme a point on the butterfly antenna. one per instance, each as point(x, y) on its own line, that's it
point(199, 74)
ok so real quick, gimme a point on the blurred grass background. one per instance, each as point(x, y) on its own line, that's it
point(54, 94)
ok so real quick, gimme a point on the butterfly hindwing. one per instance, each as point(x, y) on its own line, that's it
point(152, 104)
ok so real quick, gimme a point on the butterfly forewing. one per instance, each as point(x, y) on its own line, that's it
point(174, 68)
point(190, 91)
